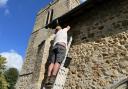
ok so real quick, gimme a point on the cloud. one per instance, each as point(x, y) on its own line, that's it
point(3, 3)
point(6, 12)
point(4, 6)
point(14, 59)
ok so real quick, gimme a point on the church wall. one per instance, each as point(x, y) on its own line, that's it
point(33, 69)
point(100, 47)
point(58, 8)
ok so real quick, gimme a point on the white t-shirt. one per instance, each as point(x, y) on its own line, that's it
point(61, 36)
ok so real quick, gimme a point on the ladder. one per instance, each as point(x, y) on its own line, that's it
point(63, 71)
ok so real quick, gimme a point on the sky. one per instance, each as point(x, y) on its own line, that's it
point(17, 19)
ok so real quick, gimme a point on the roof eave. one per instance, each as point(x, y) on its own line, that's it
point(74, 12)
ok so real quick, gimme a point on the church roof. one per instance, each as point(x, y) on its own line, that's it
point(82, 8)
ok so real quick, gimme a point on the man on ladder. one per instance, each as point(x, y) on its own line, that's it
point(58, 54)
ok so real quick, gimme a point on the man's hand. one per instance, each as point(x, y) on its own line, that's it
point(68, 27)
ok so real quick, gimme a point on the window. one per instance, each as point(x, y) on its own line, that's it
point(47, 20)
point(51, 17)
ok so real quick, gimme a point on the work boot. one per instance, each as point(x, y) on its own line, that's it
point(51, 81)
point(47, 80)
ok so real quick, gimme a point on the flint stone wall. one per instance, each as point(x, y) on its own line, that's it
point(100, 47)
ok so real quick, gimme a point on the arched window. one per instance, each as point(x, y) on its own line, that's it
point(47, 20)
point(51, 17)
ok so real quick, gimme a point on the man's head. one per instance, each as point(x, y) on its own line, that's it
point(58, 28)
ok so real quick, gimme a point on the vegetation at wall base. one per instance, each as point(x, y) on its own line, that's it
point(8, 77)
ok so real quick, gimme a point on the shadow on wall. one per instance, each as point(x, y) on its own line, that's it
point(46, 66)
point(98, 23)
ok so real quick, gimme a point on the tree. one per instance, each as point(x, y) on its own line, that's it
point(2, 64)
point(3, 82)
point(11, 76)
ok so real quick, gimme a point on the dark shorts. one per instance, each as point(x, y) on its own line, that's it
point(57, 54)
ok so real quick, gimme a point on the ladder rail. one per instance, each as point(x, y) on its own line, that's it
point(62, 73)
point(68, 47)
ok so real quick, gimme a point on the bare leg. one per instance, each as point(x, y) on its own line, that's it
point(50, 68)
point(52, 71)
point(55, 68)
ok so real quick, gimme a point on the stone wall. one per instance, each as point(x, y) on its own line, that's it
point(100, 47)
point(34, 65)
point(26, 73)
point(33, 70)
point(73, 3)
point(99, 51)
point(58, 7)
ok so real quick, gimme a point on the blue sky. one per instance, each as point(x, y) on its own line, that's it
point(17, 19)
point(16, 23)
